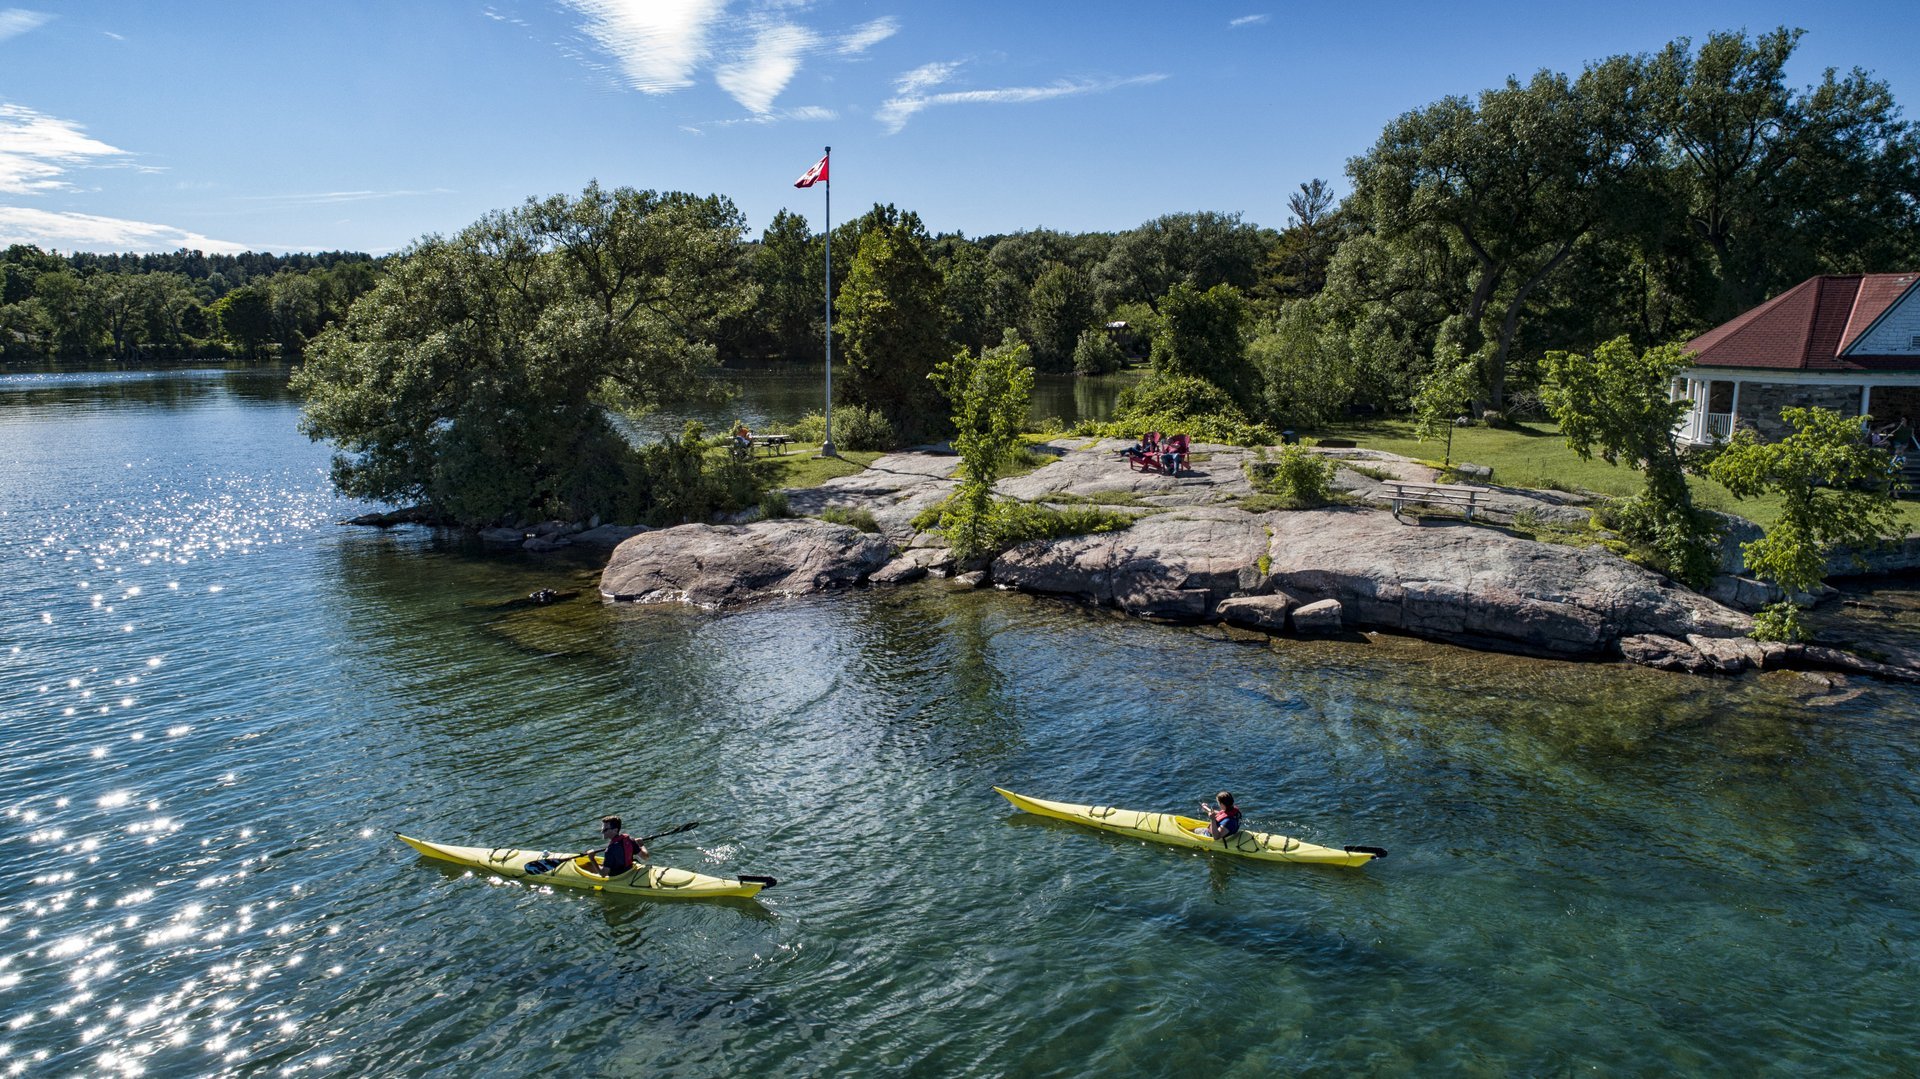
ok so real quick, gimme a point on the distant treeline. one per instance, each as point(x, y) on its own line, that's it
point(172, 306)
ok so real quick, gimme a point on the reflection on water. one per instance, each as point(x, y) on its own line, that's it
point(218, 705)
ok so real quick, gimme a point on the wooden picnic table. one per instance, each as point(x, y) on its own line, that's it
point(1451, 494)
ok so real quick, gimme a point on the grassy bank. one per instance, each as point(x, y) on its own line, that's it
point(1535, 455)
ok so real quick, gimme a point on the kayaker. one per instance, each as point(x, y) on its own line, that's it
point(1224, 819)
point(621, 850)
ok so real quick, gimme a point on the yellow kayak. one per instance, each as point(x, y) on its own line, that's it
point(1191, 832)
point(539, 867)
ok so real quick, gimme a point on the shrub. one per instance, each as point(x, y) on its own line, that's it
point(1298, 479)
point(678, 480)
point(855, 427)
point(1181, 404)
point(856, 517)
point(773, 504)
point(1096, 353)
point(1011, 522)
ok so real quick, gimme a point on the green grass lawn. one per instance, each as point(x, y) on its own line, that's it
point(802, 465)
point(1534, 455)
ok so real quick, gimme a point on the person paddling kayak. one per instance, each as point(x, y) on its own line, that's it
point(1223, 820)
point(622, 849)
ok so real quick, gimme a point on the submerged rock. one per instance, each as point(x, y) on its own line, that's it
point(722, 565)
point(1267, 612)
point(1323, 616)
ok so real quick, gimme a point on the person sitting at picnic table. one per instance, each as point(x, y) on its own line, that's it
point(1173, 455)
point(742, 439)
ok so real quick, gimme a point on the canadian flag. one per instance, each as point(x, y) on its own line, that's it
point(816, 174)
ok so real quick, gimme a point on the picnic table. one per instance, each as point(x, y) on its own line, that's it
point(1450, 494)
point(768, 444)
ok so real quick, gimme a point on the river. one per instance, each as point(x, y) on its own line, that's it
point(217, 706)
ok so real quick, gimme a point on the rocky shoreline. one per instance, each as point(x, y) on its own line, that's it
point(1196, 553)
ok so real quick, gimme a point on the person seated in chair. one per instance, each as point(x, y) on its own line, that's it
point(1173, 455)
point(1144, 449)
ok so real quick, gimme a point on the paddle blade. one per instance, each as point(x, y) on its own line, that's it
point(764, 882)
point(1377, 852)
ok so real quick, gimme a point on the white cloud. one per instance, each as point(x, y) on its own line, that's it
point(89, 232)
point(766, 68)
point(324, 198)
point(658, 43)
point(1249, 20)
point(15, 21)
point(924, 76)
point(803, 114)
point(36, 149)
point(867, 35)
point(895, 113)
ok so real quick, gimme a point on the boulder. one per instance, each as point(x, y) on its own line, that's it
point(502, 537)
point(1662, 653)
point(1474, 473)
point(1454, 581)
point(901, 570)
point(971, 579)
point(723, 565)
point(1172, 565)
point(1258, 612)
point(1321, 616)
point(608, 536)
point(1722, 654)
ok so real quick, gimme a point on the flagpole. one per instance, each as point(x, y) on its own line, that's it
point(826, 447)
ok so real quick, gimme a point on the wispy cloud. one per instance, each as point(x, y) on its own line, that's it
point(89, 232)
point(895, 112)
point(36, 150)
point(1249, 20)
point(327, 198)
point(15, 21)
point(924, 76)
point(867, 35)
point(766, 66)
point(802, 114)
point(657, 43)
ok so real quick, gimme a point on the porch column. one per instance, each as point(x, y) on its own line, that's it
point(1866, 400)
point(1733, 410)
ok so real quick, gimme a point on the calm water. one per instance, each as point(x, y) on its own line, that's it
point(216, 706)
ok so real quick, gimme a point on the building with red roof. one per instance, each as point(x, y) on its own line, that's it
point(1847, 342)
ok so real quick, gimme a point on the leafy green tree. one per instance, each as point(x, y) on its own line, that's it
point(1095, 353)
point(1307, 377)
point(245, 316)
point(1836, 491)
point(1443, 398)
point(472, 376)
point(1058, 308)
point(890, 312)
point(990, 392)
point(1296, 264)
point(965, 280)
point(75, 324)
point(1780, 185)
point(1517, 179)
point(1203, 334)
point(790, 267)
point(1202, 250)
point(1616, 403)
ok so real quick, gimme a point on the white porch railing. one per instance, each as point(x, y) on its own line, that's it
point(1719, 426)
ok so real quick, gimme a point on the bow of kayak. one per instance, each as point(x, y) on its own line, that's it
point(659, 882)
point(1179, 831)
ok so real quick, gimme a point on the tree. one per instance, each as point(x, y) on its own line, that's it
point(245, 316)
point(1058, 308)
point(1202, 249)
point(790, 266)
point(1203, 334)
point(471, 376)
point(1616, 403)
point(1778, 185)
point(1306, 377)
point(1296, 265)
point(990, 392)
point(1517, 178)
point(889, 309)
point(1442, 399)
point(1836, 491)
point(1095, 353)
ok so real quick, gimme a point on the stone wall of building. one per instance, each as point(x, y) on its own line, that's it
point(1761, 402)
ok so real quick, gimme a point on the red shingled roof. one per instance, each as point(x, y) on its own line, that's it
point(1809, 326)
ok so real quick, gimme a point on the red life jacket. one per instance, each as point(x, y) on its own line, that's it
point(629, 846)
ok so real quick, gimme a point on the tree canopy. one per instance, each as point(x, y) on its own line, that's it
point(472, 377)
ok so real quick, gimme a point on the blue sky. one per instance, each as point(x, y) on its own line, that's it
point(346, 125)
